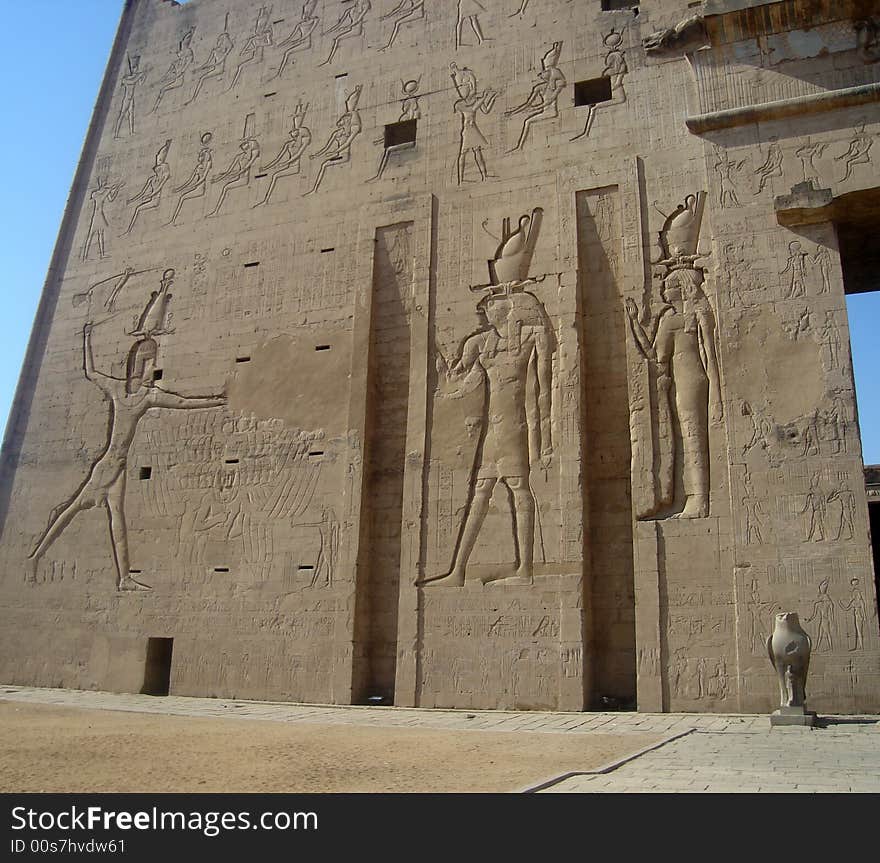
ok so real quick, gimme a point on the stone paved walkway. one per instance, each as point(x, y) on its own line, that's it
point(701, 752)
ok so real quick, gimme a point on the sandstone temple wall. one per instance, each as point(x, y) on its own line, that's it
point(552, 408)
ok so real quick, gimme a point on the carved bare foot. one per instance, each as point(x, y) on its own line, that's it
point(453, 579)
point(526, 580)
point(30, 574)
point(128, 583)
point(695, 506)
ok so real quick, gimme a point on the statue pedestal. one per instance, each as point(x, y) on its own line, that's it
point(792, 716)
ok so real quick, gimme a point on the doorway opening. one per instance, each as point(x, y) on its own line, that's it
point(157, 671)
point(857, 223)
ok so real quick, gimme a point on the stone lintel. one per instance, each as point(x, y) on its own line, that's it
point(816, 103)
point(806, 204)
point(724, 7)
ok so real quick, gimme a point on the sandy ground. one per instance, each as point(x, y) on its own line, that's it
point(61, 749)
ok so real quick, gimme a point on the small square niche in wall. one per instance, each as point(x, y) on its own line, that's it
point(592, 91)
point(397, 134)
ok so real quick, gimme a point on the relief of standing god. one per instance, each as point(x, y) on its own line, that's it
point(510, 356)
point(680, 345)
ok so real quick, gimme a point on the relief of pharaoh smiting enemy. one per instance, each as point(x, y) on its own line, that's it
point(679, 343)
point(510, 357)
point(130, 398)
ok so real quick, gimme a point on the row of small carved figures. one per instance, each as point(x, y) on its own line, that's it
point(350, 25)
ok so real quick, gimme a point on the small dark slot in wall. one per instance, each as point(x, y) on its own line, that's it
point(324, 251)
point(400, 133)
point(322, 347)
point(242, 359)
point(232, 461)
point(342, 75)
point(146, 472)
point(157, 374)
point(302, 567)
point(267, 95)
point(618, 5)
point(252, 264)
point(221, 569)
point(260, 176)
point(592, 92)
point(317, 453)
point(135, 571)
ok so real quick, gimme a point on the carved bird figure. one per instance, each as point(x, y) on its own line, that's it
point(789, 648)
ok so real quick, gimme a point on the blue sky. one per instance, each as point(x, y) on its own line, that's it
point(50, 69)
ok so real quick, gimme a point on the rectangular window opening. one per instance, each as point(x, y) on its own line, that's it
point(242, 359)
point(341, 75)
point(620, 5)
point(157, 374)
point(146, 472)
point(305, 567)
point(232, 461)
point(322, 347)
point(269, 95)
point(317, 453)
point(260, 176)
point(252, 264)
point(324, 251)
point(399, 134)
point(592, 91)
point(221, 569)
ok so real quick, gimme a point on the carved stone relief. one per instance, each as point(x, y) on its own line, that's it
point(337, 150)
point(726, 169)
point(287, 162)
point(349, 26)
point(300, 38)
point(409, 110)
point(196, 185)
point(134, 76)
point(858, 152)
point(679, 342)
point(214, 68)
point(254, 49)
point(615, 69)
point(406, 12)
point(470, 102)
point(469, 16)
point(130, 400)
point(543, 101)
point(510, 358)
point(771, 167)
point(103, 194)
point(238, 174)
point(150, 196)
point(174, 77)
